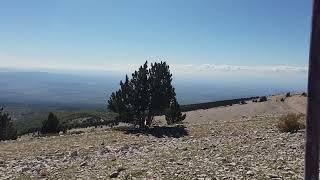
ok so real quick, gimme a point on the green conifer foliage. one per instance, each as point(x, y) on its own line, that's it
point(7, 129)
point(173, 114)
point(148, 93)
point(50, 125)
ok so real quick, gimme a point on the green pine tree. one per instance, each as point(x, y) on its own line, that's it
point(50, 125)
point(7, 129)
point(162, 91)
point(173, 114)
point(148, 93)
point(140, 99)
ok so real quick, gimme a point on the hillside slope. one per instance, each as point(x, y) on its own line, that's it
point(294, 104)
point(234, 142)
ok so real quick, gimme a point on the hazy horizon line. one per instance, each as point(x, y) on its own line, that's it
point(176, 68)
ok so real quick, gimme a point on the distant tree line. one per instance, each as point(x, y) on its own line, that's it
point(52, 124)
point(148, 93)
point(89, 122)
point(208, 105)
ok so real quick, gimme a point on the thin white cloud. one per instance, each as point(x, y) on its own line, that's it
point(235, 68)
point(11, 62)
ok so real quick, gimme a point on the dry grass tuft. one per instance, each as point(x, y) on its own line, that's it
point(291, 123)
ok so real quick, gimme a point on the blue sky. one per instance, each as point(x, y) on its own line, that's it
point(102, 33)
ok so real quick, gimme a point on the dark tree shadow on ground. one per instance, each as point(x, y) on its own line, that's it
point(157, 131)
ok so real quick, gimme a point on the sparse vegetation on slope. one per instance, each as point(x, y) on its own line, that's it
point(84, 119)
point(234, 142)
point(263, 99)
point(290, 123)
point(29, 118)
point(250, 149)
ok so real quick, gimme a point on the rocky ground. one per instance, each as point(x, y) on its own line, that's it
point(236, 142)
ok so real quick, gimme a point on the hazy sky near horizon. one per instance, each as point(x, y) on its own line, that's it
point(208, 34)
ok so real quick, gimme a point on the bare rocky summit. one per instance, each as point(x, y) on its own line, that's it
point(234, 142)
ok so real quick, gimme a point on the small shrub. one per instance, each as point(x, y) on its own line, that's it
point(243, 102)
point(282, 99)
point(290, 123)
point(51, 125)
point(173, 114)
point(304, 94)
point(263, 99)
point(288, 94)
